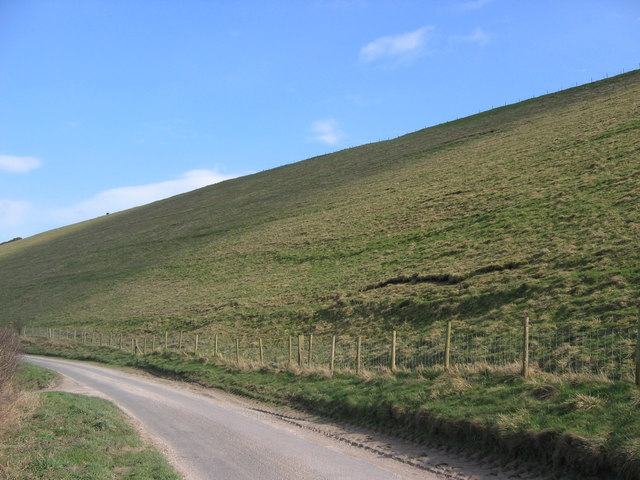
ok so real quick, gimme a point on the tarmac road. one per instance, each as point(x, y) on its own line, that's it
point(211, 436)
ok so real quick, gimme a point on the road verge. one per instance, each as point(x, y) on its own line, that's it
point(63, 436)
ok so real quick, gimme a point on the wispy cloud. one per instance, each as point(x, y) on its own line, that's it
point(327, 131)
point(473, 5)
point(478, 37)
point(400, 48)
point(13, 164)
point(122, 198)
point(12, 215)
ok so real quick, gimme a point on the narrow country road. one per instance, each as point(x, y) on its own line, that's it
point(209, 436)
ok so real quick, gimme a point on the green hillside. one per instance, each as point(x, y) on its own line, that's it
point(526, 210)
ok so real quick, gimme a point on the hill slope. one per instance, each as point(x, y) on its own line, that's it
point(529, 209)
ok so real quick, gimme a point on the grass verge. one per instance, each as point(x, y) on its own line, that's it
point(581, 426)
point(67, 436)
point(32, 377)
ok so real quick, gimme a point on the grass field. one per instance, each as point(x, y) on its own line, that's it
point(525, 210)
point(63, 436)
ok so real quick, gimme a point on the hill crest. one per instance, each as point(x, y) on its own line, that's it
point(528, 209)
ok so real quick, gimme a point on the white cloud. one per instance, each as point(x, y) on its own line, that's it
point(12, 214)
point(122, 198)
point(12, 164)
point(478, 36)
point(326, 131)
point(473, 5)
point(402, 47)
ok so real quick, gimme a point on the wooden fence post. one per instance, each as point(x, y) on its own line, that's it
point(195, 349)
point(180, 341)
point(144, 347)
point(638, 352)
point(153, 343)
point(394, 340)
point(525, 348)
point(359, 355)
point(300, 341)
point(215, 345)
point(447, 347)
point(120, 341)
point(261, 351)
point(166, 341)
point(333, 353)
point(237, 350)
point(310, 353)
point(290, 350)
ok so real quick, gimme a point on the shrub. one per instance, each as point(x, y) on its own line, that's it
point(8, 367)
point(8, 360)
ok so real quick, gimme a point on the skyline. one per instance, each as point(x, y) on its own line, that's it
point(110, 105)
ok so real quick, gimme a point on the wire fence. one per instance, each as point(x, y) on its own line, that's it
point(610, 352)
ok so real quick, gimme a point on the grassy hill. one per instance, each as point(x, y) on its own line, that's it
point(526, 210)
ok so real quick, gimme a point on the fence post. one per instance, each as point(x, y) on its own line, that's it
point(290, 350)
point(300, 341)
point(237, 350)
point(180, 341)
point(261, 351)
point(333, 353)
point(638, 352)
point(447, 347)
point(144, 346)
point(215, 345)
point(153, 343)
point(525, 348)
point(358, 355)
point(310, 354)
point(394, 344)
point(195, 349)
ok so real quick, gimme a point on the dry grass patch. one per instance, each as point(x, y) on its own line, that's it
point(449, 384)
point(582, 401)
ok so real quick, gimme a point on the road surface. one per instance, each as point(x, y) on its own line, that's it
point(211, 436)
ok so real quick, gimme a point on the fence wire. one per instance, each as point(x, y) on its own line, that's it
point(610, 352)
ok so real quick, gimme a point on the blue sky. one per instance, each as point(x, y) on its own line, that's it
point(108, 104)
